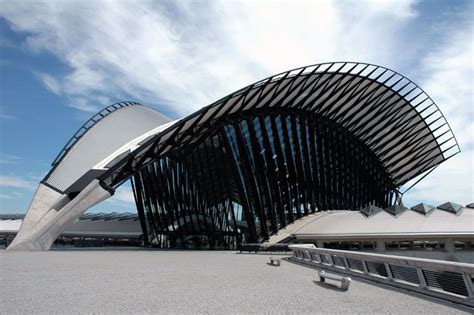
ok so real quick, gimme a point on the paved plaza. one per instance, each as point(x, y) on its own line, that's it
point(176, 282)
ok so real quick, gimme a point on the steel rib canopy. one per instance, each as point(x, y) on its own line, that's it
point(387, 112)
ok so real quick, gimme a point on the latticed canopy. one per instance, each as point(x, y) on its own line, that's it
point(329, 136)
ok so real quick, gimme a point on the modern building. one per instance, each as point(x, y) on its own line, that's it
point(89, 230)
point(439, 233)
point(323, 137)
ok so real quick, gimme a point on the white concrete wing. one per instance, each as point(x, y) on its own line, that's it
point(72, 185)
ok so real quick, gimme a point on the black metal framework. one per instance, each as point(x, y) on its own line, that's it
point(252, 176)
point(389, 113)
point(327, 136)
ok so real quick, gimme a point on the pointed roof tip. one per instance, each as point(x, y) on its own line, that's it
point(450, 207)
point(470, 206)
point(396, 209)
point(423, 208)
point(370, 210)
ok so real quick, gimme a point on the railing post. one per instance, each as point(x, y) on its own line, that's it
point(364, 267)
point(469, 285)
point(346, 263)
point(389, 271)
point(421, 277)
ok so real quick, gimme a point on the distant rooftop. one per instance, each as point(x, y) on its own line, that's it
point(89, 224)
point(396, 222)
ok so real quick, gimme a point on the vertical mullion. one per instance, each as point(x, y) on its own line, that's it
point(246, 207)
point(206, 204)
point(189, 187)
point(291, 165)
point(271, 163)
point(314, 144)
point(152, 182)
point(301, 179)
point(282, 170)
point(197, 190)
point(305, 147)
point(183, 193)
point(262, 178)
point(323, 165)
point(224, 162)
point(145, 180)
point(168, 192)
point(253, 186)
point(137, 191)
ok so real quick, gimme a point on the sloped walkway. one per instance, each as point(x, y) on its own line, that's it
point(293, 227)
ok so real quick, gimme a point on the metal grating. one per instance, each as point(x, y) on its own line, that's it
point(338, 261)
point(451, 282)
point(315, 257)
point(377, 268)
point(355, 264)
point(326, 259)
point(408, 274)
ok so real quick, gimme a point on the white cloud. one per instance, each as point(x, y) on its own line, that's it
point(17, 182)
point(9, 159)
point(448, 77)
point(84, 104)
point(11, 195)
point(184, 56)
point(50, 82)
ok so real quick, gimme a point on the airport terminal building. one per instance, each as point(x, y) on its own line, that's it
point(333, 136)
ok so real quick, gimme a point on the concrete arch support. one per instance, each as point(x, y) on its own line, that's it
point(41, 227)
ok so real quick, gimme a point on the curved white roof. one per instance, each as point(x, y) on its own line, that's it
point(102, 141)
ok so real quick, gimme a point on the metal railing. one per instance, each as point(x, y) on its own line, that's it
point(450, 281)
point(85, 127)
point(258, 247)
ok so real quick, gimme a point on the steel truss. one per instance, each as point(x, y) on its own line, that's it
point(349, 134)
point(255, 174)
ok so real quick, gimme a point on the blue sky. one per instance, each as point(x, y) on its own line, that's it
point(61, 61)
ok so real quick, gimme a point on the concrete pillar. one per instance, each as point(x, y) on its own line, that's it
point(449, 245)
point(42, 202)
point(40, 235)
point(380, 246)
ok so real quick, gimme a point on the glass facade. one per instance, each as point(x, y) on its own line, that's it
point(253, 174)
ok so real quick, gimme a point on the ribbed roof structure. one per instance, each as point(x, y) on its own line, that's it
point(389, 113)
point(338, 135)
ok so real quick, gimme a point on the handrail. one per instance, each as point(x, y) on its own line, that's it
point(83, 130)
point(88, 125)
point(452, 281)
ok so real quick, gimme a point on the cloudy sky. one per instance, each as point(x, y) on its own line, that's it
point(61, 61)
